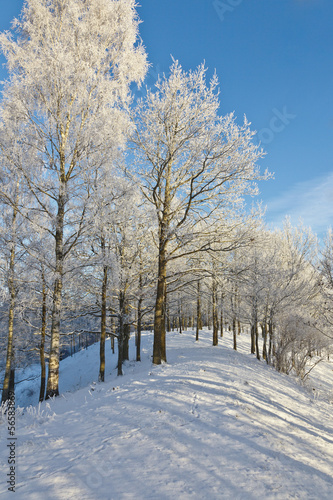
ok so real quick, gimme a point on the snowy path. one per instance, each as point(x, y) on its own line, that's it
point(210, 424)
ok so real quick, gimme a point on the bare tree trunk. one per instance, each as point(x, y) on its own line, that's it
point(10, 349)
point(163, 331)
point(101, 376)
point(214, 313)
point(159, 349)
point(120, 343)
point(271, 340)
point(238, 304)
point(234, 332)
point(138, 331)
point(198, 312)
point(253, 342)
point(208, 316)
point(257, 341)
point(265, 334)
point(180, 315)
point(221, 316)
point(126, 331)
point(139, 319)
point(233, 303)
point(254, 326)
point(159, 354)
point(113, 330)
point(168, 318)
point(42, 342)
point(8, 383)
point(52, 388)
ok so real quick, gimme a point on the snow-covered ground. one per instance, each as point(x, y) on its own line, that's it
point(211, 424)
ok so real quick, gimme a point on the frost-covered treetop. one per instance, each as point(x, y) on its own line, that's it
point(72, 61)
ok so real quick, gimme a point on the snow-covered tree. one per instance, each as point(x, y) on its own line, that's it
point(195, 167)
point(71, 63)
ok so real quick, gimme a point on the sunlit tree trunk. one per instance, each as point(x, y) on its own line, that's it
point(8, 383)
point(208, 316)
point(103, 316)
point(168, 319)
point(42, 341)
point(180, 313)
point(199, 325)
point(121, 334)
point(221, 315)
point(271, 340)
point(257, 340)
point(214, 313)
point(265, 335)
point(234, 333)
point(159, 321)
point(254, 326)
point(233, 301)
point(159, 349)
point(52, 388)
point(138, 331)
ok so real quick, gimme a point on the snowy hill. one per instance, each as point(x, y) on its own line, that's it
point(211, 424)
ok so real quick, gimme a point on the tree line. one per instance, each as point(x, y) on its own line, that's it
point(120, 214)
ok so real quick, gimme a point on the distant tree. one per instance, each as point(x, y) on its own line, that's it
point(280, 287)
point(325, 309)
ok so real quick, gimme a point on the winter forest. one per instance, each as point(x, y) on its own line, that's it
point(123, 214)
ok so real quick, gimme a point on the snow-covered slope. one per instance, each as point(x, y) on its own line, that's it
point(210, 424)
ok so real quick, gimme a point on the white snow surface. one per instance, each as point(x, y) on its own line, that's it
point(212, 423)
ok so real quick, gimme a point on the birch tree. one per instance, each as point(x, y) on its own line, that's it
point(8, 239)
point(71, 63)
point(195, 167)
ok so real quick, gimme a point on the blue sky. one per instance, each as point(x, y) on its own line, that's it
point(274, 63)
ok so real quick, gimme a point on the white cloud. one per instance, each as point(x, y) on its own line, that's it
point(310, 201)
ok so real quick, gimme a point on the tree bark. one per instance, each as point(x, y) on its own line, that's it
point(120, 346)
point(253, 342)
point(159, 353)
point(221, 316)
point(139, 318)
point(121, 332)
point(257, 341)
point(101, 376)
point(113, 330)
point(208, 316)
point(8, 383)
point(233, 302)
point(198, 312)
point(138, 331)
point(168, 317)
point(234, 332)
point(214, 313)
point(127, 331)
point(52, 388)
point(42, 342)
point(264, 347)
point(271, 340)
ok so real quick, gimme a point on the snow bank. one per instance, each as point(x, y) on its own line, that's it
point(211, 424)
